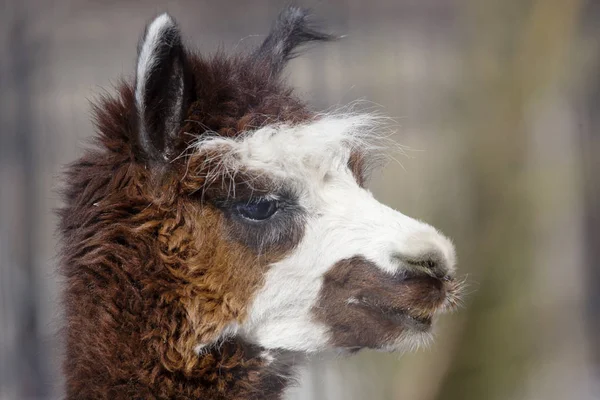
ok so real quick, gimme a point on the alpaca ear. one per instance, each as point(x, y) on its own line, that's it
point(291, 29)
point(162, 88)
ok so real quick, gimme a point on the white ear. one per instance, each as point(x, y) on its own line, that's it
point(161, 88)
point(148, 53)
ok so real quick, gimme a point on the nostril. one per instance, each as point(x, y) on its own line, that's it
point(431, 263)
point(426, 263)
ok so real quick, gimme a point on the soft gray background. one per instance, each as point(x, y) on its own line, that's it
point(497, 102)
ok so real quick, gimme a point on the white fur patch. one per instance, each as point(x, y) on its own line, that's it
point(289, 152)
point(267, 357)
point(343, 220)
point(147, 56)
point(230, 331)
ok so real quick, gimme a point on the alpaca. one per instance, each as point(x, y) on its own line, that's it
point(220, 231)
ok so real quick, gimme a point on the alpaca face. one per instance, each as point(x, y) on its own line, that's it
point(355, 273)
point(333, 267)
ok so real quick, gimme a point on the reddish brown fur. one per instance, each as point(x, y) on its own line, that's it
point(149, 270)
point(356, 163)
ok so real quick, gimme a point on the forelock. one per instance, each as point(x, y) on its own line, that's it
point(285, 151)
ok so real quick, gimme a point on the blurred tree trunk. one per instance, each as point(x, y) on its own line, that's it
point(590, 147)
point(503, 75)
point(23, 372)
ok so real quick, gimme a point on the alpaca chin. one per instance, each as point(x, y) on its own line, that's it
point(408, 342)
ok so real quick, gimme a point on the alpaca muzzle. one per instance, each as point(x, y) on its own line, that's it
point(367, 307)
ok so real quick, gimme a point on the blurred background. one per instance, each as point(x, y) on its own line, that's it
point(498, 104)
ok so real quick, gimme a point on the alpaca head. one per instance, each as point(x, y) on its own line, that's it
point(281, 244)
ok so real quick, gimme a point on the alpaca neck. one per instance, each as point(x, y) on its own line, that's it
point(124, 345)
point(233, 370)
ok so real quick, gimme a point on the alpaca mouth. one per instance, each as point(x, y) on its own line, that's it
point(407, 321)
point(401, 317)
point(427, 297)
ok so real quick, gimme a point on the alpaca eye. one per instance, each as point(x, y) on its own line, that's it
point(257, 210)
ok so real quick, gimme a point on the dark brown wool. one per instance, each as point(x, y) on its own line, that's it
point(150, 270)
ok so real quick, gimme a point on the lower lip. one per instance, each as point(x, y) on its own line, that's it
point(419, 324)
point(410, 322)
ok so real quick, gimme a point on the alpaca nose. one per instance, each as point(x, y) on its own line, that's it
point(430, 263)
point(429, 253)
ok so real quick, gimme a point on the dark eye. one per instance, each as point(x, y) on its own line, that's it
point(257, 210)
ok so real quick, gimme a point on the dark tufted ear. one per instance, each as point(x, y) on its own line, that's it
point(162, 88)
point(291, 29)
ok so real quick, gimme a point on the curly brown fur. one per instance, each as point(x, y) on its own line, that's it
point(149, 270)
